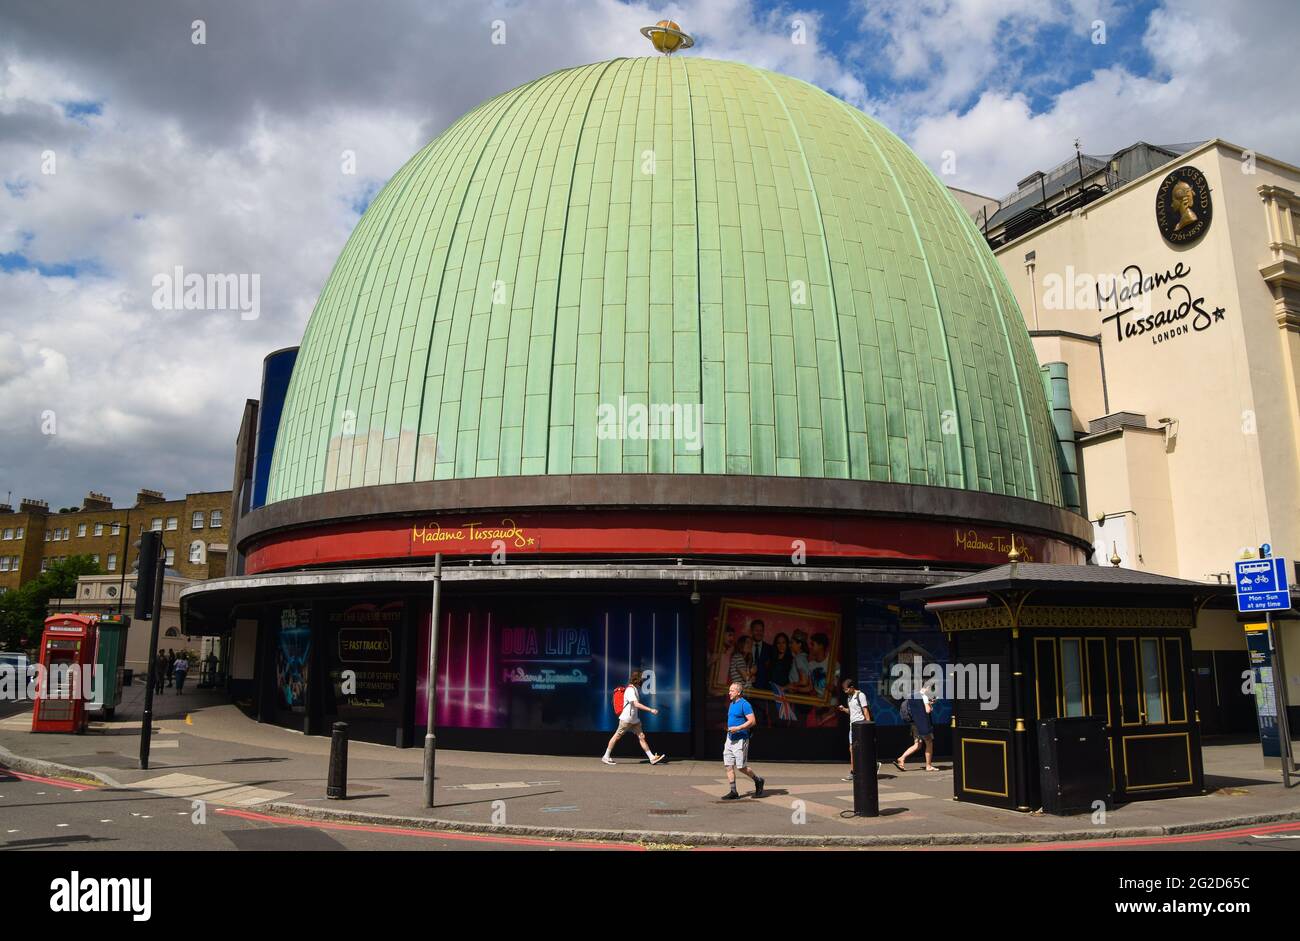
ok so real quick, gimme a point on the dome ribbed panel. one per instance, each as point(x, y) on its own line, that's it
point(666, 231)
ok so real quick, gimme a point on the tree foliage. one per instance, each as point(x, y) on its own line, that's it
point(23, 611)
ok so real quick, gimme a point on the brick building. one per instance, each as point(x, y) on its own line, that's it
point(195, 534)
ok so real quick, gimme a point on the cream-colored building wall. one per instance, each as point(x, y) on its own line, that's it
point(1150, 488)
point(1083, 358)
point(1277, 438)
point(1125, 470)
point(1218, 630)
point(974, 203)
point(1205, 381)
point(1105, 469)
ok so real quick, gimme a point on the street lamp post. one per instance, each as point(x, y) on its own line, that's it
point(430, 740)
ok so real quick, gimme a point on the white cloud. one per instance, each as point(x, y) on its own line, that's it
point(945, 51)
point(227, 158)
point(1219, 73)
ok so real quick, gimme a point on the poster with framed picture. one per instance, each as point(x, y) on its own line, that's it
point(784, 652)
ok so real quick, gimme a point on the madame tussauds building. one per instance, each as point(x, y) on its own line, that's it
point(680, 365)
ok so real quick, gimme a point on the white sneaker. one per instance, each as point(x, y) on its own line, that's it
point(656, 759)
point(608, 760)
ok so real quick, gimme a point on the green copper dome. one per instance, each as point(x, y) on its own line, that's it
point(658, 232)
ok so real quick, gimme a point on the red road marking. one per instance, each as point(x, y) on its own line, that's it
point(51, 781)
point(1158, 840)
point(426, 834)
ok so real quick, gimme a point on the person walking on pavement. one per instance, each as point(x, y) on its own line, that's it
point(630, 721)
point(858, 712)
point(735, 750)
point(171, 666)
point(181, 667)
point(918, 713)
point(161, 668)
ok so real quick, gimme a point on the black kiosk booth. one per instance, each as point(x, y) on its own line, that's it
point(1091, 671)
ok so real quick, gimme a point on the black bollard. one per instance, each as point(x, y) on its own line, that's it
point(866, 789)
point(336, 788)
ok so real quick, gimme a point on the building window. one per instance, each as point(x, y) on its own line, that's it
point(20, 532)
point(171, 523)
point(117, 529)
point(45, 564)
point(9, 533)
point(99, 529)
point(47, 535)
point(215, 521)
point(156, 526)
point(196, 551)
point(81, 530)
point(171, 556)
point(112, 562)
point(95, 558)
point(4, 563)
point(197, 521)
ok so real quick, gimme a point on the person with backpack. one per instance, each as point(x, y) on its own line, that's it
point(917, 712)
point(627, 703)
point(858, 712)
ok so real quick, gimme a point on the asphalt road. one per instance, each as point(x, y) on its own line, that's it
point(45, 814)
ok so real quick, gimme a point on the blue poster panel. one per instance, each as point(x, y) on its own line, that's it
point(899, 647)
point(554, 665)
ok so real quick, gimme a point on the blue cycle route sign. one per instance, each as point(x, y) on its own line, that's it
point(1262, 585)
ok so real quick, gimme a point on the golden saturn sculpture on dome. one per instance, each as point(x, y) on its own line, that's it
point(667, 37)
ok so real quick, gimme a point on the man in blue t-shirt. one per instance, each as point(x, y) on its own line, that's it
point(735, 750)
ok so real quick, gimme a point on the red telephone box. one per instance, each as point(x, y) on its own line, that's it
point(67, 646)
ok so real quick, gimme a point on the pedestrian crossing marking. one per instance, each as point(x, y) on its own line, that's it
point(209, 789)
point(893, 796)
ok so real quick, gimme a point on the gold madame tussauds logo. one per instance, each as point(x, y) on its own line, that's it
point(473, 532)
point(970, 540)
point(1183, 206)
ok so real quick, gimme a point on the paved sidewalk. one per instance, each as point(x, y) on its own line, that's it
point(206, 748)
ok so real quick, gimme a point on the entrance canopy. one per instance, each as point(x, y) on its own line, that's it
point(208, 607)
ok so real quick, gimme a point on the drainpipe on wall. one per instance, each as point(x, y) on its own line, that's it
point(1057, 380)
point(1030, 258)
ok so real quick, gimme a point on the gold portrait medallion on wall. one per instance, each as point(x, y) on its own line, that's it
point(1183, 206)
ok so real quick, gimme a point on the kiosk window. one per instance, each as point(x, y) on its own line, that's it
point(1130, 704)
point(1176, 679)
point(1072, 677)
point(1047, 686)
point(1151, 688)
point(1098, 678)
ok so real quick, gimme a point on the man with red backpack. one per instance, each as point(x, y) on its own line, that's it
point(627, 702)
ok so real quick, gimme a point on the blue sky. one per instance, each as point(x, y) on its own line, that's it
point(1032, 57)
point(228, 156)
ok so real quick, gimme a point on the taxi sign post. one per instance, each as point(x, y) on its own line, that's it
point(1262, 587)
